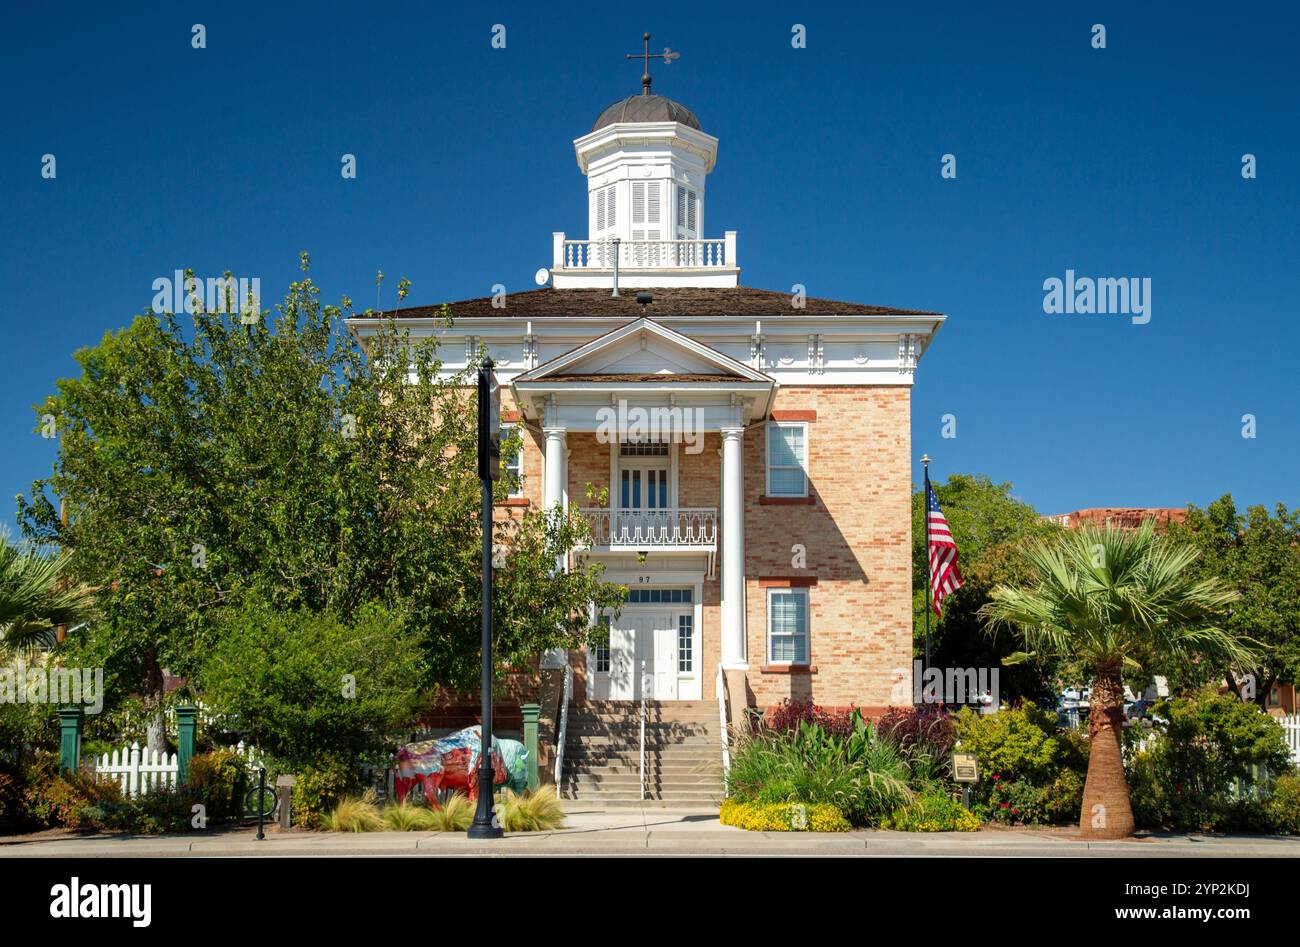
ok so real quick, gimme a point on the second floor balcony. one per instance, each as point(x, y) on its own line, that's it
point(653, 530)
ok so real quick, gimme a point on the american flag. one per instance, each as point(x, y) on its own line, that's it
point(945, 577)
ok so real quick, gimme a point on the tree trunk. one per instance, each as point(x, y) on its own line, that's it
point(156, 727)
point(1107, 812)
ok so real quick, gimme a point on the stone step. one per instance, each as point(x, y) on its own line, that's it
point(624, 752)
point(635, 740)
point(703, 799)
point(630, 783)
point(662, 767)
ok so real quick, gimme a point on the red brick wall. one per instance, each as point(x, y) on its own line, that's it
point(857, 534)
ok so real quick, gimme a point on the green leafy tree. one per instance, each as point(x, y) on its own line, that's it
point(215, 459)
point(1116, 602)
point(989, 526)
point(1259, 555)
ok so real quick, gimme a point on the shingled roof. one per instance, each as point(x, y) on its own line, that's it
point(692, 301)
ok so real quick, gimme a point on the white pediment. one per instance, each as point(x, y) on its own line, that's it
point(644, 347)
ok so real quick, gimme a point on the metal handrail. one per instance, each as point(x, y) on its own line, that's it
point(722, 724)
point(643, 690)
point(562, 737)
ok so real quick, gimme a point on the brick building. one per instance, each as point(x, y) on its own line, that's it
point(754, 445)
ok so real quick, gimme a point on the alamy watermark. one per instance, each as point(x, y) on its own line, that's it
point(978, 687)
point(223, 294)
point(636, 424)
point(20, 684)
point(1124, 295)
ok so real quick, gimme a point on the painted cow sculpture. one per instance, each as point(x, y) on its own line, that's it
point(452, 763)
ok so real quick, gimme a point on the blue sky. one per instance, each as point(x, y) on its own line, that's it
point(1117, 162)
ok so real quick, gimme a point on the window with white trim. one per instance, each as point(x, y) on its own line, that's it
point(787, 459)
point(600, 652)
point(513, 467)
point(685, 643)
point(787, 626)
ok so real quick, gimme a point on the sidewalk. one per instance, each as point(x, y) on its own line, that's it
point(653, 831)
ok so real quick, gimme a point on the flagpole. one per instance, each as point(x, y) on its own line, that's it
point(925, 512)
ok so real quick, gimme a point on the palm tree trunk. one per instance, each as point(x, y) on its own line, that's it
point(1107, 812)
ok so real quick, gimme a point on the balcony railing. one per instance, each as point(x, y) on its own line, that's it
point(671, 527)
point(580, 255)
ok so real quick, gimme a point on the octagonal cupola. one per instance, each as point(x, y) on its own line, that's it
point(646, 160)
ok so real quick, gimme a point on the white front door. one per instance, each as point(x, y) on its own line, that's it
point(642, 657)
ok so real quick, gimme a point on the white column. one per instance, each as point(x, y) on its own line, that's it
point(555, 478)
point(556, 467)
point(733, 550)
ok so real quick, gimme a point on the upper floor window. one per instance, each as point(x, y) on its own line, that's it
point(512, 460)
point(787, 459)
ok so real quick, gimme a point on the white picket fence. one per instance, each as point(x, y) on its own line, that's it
point(138, 771)
point(1291, 728)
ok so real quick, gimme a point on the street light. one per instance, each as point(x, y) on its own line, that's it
point(484, 825)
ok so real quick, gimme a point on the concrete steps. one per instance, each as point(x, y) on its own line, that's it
point(602, 758)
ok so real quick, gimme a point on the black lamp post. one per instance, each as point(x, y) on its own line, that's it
point(489, 471)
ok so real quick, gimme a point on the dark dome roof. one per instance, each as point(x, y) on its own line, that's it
point(647, 108)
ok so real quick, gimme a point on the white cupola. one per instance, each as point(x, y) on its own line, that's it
point(646, 160)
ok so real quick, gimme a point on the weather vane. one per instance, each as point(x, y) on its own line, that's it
point(668, 57)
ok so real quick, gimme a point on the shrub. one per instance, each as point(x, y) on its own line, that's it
point(860, 775)
point(354, 814)
point(1210, 744)
point(932, 813)
point(1031, 772)
point(1284, 805)
point(790, 714)
point(54, 799)
point(783, 817)
point(925, 736)
point(930, 727)
point(153, 813)
point(282, 673)
point(219, 781)
point(455, 815)
point(409, 817)
point(320, 788)
point(530, 811)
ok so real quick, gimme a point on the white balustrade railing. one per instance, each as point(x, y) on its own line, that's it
point(634, 254)
point(670, 526)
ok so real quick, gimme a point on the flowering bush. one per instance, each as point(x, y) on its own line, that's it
point(932, 813)
point(783, 817)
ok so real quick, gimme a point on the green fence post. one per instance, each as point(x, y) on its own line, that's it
point(186, 721)
point(531, 712)
point(70, 722)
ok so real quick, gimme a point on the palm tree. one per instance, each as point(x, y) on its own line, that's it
point(1114, 600)
point(35, 595)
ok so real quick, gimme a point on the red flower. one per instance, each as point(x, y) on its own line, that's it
point(1015, 812)
point(1006, 805)
point(996, 776)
